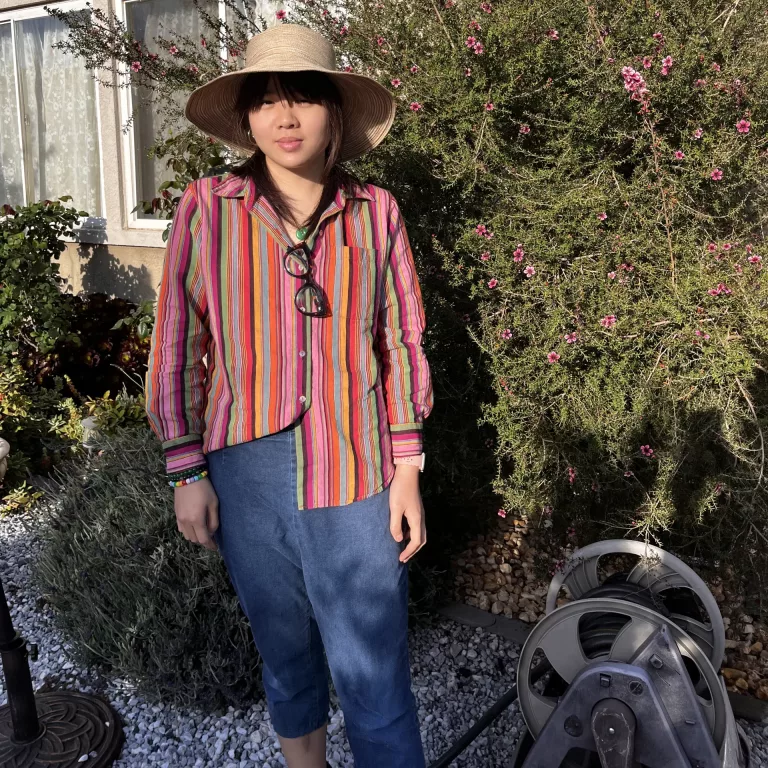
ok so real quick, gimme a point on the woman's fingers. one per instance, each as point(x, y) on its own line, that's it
point(417, 534)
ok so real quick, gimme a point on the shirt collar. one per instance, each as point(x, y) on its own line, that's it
point(234, 186)
point(243, 186)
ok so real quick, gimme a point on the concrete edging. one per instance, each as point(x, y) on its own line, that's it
point(512, 629)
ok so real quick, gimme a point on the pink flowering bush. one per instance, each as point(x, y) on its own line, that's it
point(624, 346)
point(584, 188)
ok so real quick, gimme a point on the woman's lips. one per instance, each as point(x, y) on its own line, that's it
point(289, 145)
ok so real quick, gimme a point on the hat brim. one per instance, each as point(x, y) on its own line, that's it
point(368, 110)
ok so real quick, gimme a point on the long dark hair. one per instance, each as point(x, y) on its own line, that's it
point(317, 88)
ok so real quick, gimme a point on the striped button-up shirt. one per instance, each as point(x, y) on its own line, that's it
point(232, 358)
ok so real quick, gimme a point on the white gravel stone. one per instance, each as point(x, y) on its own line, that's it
point(457, 672)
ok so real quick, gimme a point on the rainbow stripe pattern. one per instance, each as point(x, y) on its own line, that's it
point(232, 359)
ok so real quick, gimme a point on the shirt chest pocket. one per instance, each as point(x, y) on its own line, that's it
point(357, 275)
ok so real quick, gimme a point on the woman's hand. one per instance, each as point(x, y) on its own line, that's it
point(197, 512)
point(405, 500)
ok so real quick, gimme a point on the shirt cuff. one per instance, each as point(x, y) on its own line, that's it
point(406, 439)
point(184, 452)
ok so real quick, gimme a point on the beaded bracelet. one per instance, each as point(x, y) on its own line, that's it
point(187, 480)
point(182, 473)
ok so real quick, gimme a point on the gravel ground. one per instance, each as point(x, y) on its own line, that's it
point(458, 672)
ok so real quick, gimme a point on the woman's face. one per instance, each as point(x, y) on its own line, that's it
point(292, 135)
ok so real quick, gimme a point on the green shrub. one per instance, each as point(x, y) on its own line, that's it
point(131, 592)
point(33, 311)
point(42, 426)
point(554, 198)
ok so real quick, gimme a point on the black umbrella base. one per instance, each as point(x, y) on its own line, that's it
point(72, 724)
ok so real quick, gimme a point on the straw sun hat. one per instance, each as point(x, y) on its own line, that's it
point(368, 108)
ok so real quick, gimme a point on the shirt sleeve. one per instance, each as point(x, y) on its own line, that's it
point(401, 324)
point(175, 379)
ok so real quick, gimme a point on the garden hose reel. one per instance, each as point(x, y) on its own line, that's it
point(631, 664)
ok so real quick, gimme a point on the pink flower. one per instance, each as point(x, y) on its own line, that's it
point(478, 49)
point(474, 25)
point(489, 107)
point(754, 259)
point(716, 175)
point(658, 36)
point(553, 357)
point(720, 288)
point(715, 66)
point(525, 129)
point(552, 34)
point(739, 269)
point(743, 126)
point(629, 473)
point(414, 69)
point(666, 64)
point(502, 513)
point(518, 253)
point(646, 450)
point(380, 41)
point(470, 41)
point(173, 50)
point(467, 71)
point(602, 216)
point(450, 3)
point(611, 275)
point(481, 229)
point(698, 133)
point(193, 69)
point(530, 271)
point(635, 84)
point(280, 15)
point(571, 476)
point(485, 256)
point(699, 83)
point(344, 30)
point(608, 321)
point(712, 247)
point(647, 62)
point(493, 283)
point(727, 246)
point(396, 82)
point(136, 66)
point(611, 60)
point(506, 334)
point(679, 155)
point(348, 68)
point(415, 106)
point(487, 7)
point(571, 338)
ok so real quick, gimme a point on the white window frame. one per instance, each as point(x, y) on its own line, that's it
point(90, 228)
point(130, 177)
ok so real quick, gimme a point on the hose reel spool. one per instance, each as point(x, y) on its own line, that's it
point(632, 663)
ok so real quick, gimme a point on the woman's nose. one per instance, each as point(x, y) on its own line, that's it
point(286, 117)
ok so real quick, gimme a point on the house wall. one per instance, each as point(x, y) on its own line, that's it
point(128, 263)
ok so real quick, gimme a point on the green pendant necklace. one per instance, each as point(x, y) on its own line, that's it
point(301, 233)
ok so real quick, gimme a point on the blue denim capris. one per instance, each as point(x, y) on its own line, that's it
point(316, 583)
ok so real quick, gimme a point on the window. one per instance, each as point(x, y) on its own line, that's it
point(146, 20)
point(49, 130)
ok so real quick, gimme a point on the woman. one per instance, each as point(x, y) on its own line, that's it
point(295, 448)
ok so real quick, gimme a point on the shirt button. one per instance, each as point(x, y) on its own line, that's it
point(302, 399)
point(302, 353)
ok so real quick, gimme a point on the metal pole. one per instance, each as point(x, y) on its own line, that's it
point(18, 680)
